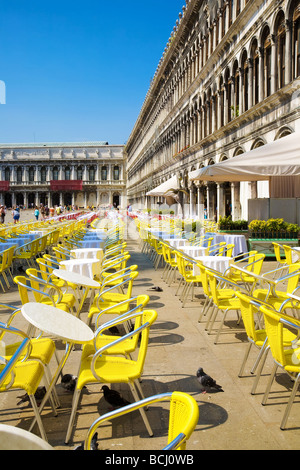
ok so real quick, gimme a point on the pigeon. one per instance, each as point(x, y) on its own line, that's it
point(207, 382)
point(156, 289)
point(114, 398)
point(39, 395)
point(68, 382)
point(94, 443)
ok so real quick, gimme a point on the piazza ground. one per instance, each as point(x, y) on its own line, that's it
point(178, 346)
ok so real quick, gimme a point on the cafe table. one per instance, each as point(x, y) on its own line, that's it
point(94, 253)
point(86, 266)
point(60, 324)
point(218, 263)
point(84, 282)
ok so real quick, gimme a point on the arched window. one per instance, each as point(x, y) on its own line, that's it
point(7, 173)
point(245, 81)
point(116, 173)
point(236, 87)
point(104, 173)
point(19, 174)
point(43, 174)
point(67, 173)
point(92, 173)
point(296, 41)
point(79, 173)
point(280, 38)
point(255, 65)
point(31, 174)
point(55, 173)
point(266, 44)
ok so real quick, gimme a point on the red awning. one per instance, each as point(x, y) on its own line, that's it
point(66, 185)
point(4, 185)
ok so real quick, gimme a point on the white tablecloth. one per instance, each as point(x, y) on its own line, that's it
point(91, 243)
point(194, 251)
point(177, 242)
point(218, 263)
point(86, 267)
point(91, 253)
point(296, 254)
point(239, 241)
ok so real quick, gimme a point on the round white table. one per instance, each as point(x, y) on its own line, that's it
point(85, 282)
point(193, 251)
point(177, 242)
point(218, 263)
point(86, 266)
point(94, 253)
point(62, 325)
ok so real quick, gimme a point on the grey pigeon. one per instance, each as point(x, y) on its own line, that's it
point(94, 443)
point(39, 395)
point(114, 398)
point(156, 289)
point(68, 382)
point(207, 382)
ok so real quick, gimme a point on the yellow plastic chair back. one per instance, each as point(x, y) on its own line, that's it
point(183, 418)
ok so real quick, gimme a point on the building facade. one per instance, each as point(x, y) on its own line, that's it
point(80, 174)
point(228, 82)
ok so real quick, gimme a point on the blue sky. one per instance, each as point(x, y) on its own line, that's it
point(79, 71)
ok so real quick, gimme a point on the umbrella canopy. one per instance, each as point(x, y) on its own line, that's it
point(165, 189)
point(279, 158)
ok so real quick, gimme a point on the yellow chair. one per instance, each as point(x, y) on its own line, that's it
point(222, 304)
point(125, 348)
point(42, 349)
point(215, 250)
point(274, 295)
point(281, 261)
point(225, 293)
point(183, 418)
point(253, 266)
point(6, 258)
point(190, 279)
point(256, 334)
point(27, 252)
point(44, 292)
point(26, 375)
point(103, 368)
point(108, 298)
point(288, 359)
point(169, 255)
point(229, 250)
point(288, 254)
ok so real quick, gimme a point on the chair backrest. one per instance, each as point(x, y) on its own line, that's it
point(229, 250)
point(205, 280)
point(248, 310)
point(293, 281)
point(22, 283)
point(277, 251)
point(274, 329)
point(288, 254)
point(184, 416)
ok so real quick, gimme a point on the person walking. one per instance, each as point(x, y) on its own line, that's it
point(2, 214)
point(36, 213)
point(16, 214)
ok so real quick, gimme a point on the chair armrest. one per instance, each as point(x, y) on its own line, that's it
point(125, 410)
point(100, 351)
point(8, 369)
point(106, 310)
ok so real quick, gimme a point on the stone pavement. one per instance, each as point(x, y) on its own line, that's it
point(178, 346)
